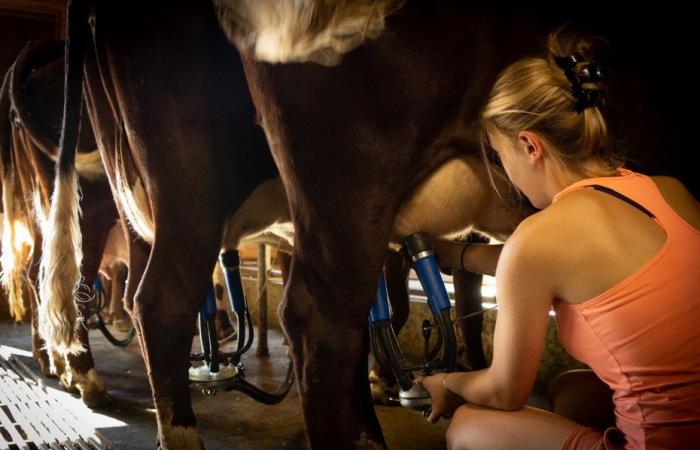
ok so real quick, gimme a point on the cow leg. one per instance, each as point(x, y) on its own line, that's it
point(38, 350)
point(139, 252)
point(468, 301)
point(98, 219)
point(54, 365)
point(224, 327)
point(284, 259)
point(396, 270)
point(176, 280)
point(138, 258)
point(120, 318)
point(80, 372)
point(75, 372)
point(324, 314)
point(40, 354)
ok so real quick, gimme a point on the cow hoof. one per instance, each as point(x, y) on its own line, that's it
point(176, 438)
point(97, 398)
point(92, 391)
point(383, 393)
point(67, 383)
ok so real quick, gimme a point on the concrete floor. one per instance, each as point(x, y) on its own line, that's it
point(227, 420)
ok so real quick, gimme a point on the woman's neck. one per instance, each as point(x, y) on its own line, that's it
point(561, 176)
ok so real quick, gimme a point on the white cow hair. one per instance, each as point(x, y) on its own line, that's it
point(320, 31)
point(59, 270)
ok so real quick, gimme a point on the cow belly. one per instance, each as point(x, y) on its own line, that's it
point(265, 212)
point(456, 198)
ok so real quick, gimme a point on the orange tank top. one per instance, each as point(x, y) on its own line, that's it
point(642, 336)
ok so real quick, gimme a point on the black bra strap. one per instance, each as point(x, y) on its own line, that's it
point(616, 194)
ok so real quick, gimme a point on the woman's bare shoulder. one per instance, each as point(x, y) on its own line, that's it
point(562, 231)
point(571, 213)
point(544, 231)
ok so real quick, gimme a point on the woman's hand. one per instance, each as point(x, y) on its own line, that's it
point(444, 402)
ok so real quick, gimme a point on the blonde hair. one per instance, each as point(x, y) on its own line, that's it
point(535, 94)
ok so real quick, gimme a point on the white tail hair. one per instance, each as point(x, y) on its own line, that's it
point(15, 240)
point(59, 271)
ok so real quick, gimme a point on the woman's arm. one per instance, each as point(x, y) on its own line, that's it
point(478, 258)
point(525, 293)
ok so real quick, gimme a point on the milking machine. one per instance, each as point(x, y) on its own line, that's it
point(94, 319)
point(443, 355)
point(222, 370)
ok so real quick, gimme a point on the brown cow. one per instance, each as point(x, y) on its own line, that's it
point(354, 135)
point(407, 101)
point(29, 131)
point(180, 199)
point(183, 152)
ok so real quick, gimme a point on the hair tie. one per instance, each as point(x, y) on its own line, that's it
point(590, 73)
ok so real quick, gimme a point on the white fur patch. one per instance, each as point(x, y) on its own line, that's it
point(303, 30)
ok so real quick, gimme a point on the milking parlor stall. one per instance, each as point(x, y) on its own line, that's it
point(220, 218)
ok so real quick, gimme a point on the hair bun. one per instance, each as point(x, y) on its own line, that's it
point(579, 58)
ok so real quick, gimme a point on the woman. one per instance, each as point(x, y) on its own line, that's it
point(616, 253)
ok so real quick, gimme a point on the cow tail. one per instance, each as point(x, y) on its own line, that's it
point(12, 278)
point(59, 270)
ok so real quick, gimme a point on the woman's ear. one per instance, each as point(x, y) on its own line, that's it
point(532, 145)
